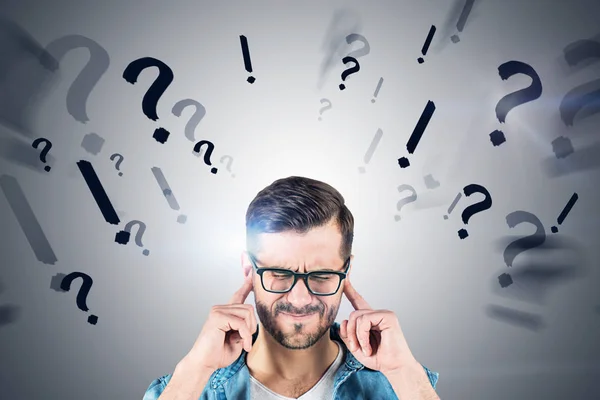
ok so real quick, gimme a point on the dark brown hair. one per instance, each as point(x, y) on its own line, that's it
point(298, 204)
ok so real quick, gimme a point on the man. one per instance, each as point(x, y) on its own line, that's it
point(299, 238)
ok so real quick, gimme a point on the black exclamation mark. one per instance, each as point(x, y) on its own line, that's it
point(247, 60)
point(413, 141)
point(427, 43)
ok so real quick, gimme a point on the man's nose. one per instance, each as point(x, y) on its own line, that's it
point(299, 296)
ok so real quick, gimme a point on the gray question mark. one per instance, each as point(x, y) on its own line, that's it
point(410, 199)
point(118, 163)
point(327, 107)
point(200, 112)
point(88, 77)
point(140, 232)
point(228, 163)
point(44, 151)
point(361, 51)
point(528, 242)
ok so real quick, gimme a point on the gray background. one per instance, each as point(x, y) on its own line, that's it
point(151, 308)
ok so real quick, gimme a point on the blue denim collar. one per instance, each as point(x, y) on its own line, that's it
point(221, 375)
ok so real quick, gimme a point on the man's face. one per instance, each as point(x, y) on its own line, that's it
point(298, 319)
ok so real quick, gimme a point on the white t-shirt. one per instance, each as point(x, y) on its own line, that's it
point(322, 389)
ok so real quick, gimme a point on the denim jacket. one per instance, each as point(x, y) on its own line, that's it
point(352, 380)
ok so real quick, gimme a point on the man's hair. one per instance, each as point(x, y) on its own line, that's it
point(298, 204)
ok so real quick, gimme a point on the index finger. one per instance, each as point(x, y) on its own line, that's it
point(239, 297)
point(357, 301)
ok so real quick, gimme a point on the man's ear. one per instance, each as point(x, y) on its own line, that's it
point(351, 265)
point(246, 264)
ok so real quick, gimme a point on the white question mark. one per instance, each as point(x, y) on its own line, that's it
point(409, 199)
point(327, 107)
point(228, 163)
point(118, 163)
point(190, 127)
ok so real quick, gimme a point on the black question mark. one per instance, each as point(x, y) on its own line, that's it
point(209, 149)
point(517, 98)
point(474, 208)
point(349, 71)
point(156, 90)
point(44, 151)
point(83, 291)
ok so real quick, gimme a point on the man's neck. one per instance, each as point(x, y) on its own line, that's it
point(268, 358)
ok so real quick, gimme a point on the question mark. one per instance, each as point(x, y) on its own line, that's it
point(228, 163)
point(517, 98)
point(200, 112)
point(122, 237)
point(118, 163)
point(156, 90)
point(324, 108)
point(349, 71)
point(82, 86)
point(406, 200)
point(520, 245)
point(361, 51)
point(575, 100)
point(83, 291)
point(474, 208)
point(209, 149)
point(44, 151)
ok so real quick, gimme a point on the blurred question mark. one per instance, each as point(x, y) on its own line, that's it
point(118, 163)
point(84, 290)
point(474, 208)
point(156, 90)
point(122, 237)
point(209, 149)
point(576, 99)
point(520, 245)
point(327, 107)
point(200, 112)
point(9, 313)
point(361, 51)
point(406, 200)
point(228, 163)
point(82, 86)
point(45, 150)
point(584, 96)
point(517, 98)
point(349, 71)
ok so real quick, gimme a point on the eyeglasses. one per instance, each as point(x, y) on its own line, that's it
point(319, 283)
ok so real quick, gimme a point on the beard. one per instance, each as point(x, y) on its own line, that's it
point(301, 337)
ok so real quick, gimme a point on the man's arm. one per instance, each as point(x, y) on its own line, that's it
point(187, 383)
point(412, 383)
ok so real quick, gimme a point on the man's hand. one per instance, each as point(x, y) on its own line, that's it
point(374, 336)
point(228, 329)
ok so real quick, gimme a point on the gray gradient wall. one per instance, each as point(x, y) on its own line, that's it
point(536, 338)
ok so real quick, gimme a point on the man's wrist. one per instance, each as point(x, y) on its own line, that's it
point(410, 382)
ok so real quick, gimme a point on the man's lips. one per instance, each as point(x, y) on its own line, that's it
point(296, 316)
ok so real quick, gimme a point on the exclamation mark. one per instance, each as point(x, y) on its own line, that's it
point(565, 212)
point(462, 20)
point(371, 149)
point(247, 60)
point(456, 199)
point(377, 90)
point(417, 133)
point(427, 43)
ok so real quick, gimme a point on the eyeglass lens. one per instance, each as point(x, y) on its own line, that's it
point(320, 283)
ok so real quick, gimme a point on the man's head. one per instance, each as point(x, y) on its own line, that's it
point(302, 225)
